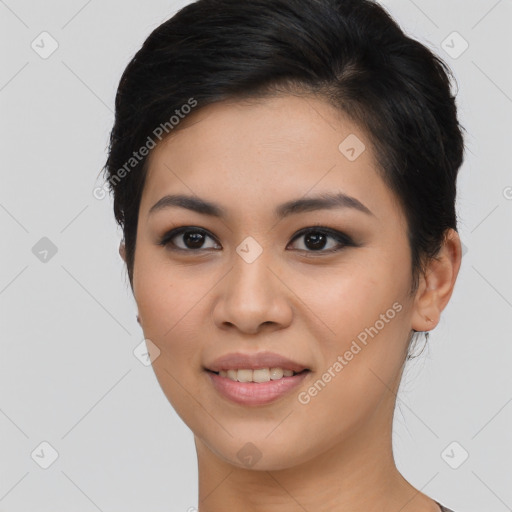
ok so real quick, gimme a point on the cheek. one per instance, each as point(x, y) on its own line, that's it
point(360, 315)
point(170, 306)
point(172, 315)
point(174, 307)
point(361, 357)
point(161, 290)
point(347, 300)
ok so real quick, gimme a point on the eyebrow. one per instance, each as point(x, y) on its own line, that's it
point(325, 201)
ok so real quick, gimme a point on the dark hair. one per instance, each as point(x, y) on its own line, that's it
point(349, 52)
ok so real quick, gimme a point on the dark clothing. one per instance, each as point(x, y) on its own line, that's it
point(443, 509)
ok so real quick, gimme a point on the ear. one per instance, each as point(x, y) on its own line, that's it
point(122, 250)
point(436, 285)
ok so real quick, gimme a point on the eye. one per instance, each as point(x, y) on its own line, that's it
point(191, 238)
point(315, 239)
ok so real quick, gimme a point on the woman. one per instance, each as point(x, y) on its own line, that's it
point(284, 172)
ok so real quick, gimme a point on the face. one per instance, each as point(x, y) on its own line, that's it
point(324, 285)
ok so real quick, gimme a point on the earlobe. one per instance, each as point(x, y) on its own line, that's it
point(437, 284)
point(122, 250)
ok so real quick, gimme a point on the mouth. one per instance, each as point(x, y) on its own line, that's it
point(255, 387)
point(255, 379)
point(257, 376)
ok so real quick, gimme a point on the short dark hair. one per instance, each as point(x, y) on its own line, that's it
point(348, 52)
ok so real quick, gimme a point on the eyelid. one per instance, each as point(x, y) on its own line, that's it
point(323, 229)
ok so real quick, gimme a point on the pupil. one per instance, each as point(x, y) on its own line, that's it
point(318, 240)
point(194, 239)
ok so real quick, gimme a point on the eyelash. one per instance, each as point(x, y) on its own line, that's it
point(341, 238)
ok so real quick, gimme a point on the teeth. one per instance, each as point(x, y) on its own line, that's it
point(260, 375)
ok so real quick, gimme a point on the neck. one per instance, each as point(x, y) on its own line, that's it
point(357, 474)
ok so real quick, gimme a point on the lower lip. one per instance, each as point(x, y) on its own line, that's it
point(255, 393)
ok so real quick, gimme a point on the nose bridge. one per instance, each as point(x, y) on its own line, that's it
point(250, 278)
point(251, 295)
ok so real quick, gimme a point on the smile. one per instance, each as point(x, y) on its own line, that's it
point(258, 375)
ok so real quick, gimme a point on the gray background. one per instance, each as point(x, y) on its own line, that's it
point(68, 375)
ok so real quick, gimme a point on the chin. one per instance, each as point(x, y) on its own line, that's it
point(261, 452)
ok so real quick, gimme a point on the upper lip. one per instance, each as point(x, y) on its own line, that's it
point(238, 360)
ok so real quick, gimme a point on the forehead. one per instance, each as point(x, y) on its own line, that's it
point(246, 154)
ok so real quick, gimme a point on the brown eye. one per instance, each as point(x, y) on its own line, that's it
point(317, 240)
point(187, 239)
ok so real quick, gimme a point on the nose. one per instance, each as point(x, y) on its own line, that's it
point(252, 298)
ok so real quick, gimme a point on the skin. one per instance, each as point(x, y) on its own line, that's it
point(335, 452)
